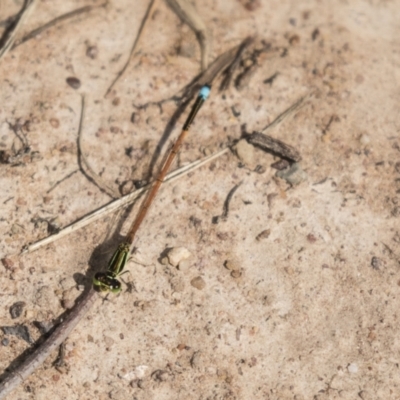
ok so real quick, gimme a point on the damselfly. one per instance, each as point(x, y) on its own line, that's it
point(107, 281)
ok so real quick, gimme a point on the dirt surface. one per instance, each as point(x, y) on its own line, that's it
point(295, 295)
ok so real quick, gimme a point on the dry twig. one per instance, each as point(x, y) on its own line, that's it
point(53, 22)
point(10, 34)
point(135, 43)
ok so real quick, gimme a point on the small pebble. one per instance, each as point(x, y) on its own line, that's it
point(141, 370)
point(20, 331)
point(311, 238)
point(92, 52)
point(293, 175)
point(75, 83)
point(365, 139)
point(16, 309)
point(54, 122)
point(184, 265)
point(115, 129)
point(160, 375)
point(134, 118)
point(176, 297)
point(164, 261)
point(376, 263)
point(236, 274)
point(198, 283)
point(352, 368)
point(232, 265)
point(294, 40)
point(5, 342)
point(195, 360)
point(47, 199)
point(252, 5)
point(16, 229)
point(8, 263)
point(119, 394)
point(178, 254)
point(263, 235)
point(44, 326)
point(396, 211)
point(315, 34)
point(141, 384)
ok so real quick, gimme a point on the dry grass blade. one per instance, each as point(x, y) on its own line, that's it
point(288, 112)
point(10, 34)
point(189, 15)
point(85, 166)
point(276, 146)
point(117, 204)
point(135, 43)
point(54, 22)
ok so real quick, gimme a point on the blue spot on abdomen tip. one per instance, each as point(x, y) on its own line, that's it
point(205, 92)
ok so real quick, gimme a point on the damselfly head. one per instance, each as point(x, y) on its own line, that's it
point(103, 282)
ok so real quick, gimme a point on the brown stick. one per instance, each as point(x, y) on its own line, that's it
point(60, 333)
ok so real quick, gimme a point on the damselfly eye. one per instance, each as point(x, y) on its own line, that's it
point(115, 286)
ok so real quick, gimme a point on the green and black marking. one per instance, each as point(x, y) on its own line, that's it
point(107, 281)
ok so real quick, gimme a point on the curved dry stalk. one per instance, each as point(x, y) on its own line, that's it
point(84, 163)
point(54, 22)
point(135, 43)
point(188, 14)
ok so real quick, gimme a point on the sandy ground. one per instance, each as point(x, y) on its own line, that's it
point(310, 309)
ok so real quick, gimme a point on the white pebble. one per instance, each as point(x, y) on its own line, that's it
point(178, 254)
point(365, 139)
point(138, 373)
point(352, 368)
